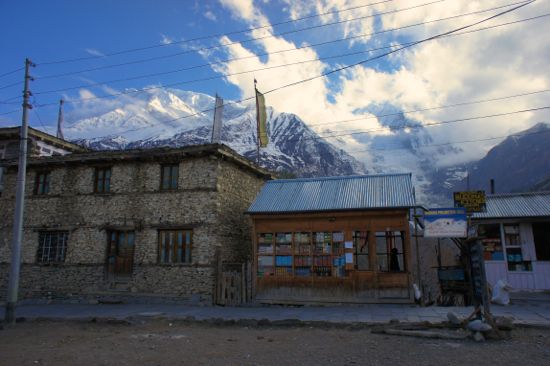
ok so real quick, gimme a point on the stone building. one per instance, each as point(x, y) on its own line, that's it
point(149, 221)
point(38, 144)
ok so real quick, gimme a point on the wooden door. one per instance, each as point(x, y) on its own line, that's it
point(121, 253)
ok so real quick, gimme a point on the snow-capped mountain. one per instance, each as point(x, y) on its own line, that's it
point(170, 117)
point(519, 163)
point(178, 118)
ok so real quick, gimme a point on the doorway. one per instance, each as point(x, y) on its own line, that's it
point(120, 254)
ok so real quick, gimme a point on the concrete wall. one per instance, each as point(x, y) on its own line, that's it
point(211, 198)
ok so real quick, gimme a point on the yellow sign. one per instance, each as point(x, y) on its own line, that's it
point(472, 201)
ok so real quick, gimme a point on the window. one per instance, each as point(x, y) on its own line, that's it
point(492, 245)
point(102, 180)
point(390, 251)
point(169, 177)
point(301, 254)
point(541, 234)
point(514, 254)
point(175, 246)
point(42, 184)
point(361, 245)
point(52, 246)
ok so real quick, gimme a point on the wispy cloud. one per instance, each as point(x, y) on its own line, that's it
point(210, 15)
point(165, 39)
point(94, 52)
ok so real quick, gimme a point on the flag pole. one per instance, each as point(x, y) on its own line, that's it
point(257, 124)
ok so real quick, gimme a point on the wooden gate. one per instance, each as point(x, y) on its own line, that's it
point(233, 284)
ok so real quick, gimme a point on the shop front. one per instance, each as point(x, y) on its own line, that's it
point(318, 242)
point(516, 239)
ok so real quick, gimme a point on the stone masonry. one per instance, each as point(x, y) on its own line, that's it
point(215, 187)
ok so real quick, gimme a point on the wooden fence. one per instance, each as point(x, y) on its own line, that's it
point(233, 284)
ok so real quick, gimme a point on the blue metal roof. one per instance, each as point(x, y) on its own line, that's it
point(335, 193)
point(531, 204)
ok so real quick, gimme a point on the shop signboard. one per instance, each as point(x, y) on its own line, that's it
point(472, 201)
point(445, 223)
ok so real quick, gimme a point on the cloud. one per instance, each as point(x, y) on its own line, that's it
point(165, 39)
point(487, 64)
point(94, 52)
point(245, 10)
point(210, 15)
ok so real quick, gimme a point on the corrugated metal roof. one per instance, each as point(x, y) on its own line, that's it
point(532, 204)
point(335, 193)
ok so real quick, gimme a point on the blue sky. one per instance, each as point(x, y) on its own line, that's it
point(488, 64)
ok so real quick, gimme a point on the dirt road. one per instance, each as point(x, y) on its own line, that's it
point(164, 343)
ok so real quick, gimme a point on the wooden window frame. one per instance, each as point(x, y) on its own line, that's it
point(180, 244)
point(361, 249)
point(172, 179)
point(390, 237)
point(103, 184)
point(42, 183)
point(52, 246)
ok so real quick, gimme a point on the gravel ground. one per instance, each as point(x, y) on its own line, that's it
point(164, 343)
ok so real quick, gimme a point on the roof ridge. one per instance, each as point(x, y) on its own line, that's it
point(342, 177)
point(534, 193)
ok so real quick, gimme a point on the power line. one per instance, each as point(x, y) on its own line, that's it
point(359, 63)
point(360, 132)
point(430, 109)
point(5, 101)
point(40, 120)
point(398, 49)
point(213, 35)
point(398, 113)
point(250, 71)
point(10, 85)
point(455, 142)
point(12, 72)
point(10, 112)
point(134, 91)
point(253, 39)
point(405, 127)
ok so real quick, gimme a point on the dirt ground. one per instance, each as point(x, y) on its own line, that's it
point(164, 343)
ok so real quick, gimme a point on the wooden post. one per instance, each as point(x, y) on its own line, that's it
point(243, 283)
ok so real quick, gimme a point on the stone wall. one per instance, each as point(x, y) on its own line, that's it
point(237, 190)
point(211, 199)
point(55, 280)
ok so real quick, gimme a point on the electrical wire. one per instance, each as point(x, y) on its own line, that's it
point(247, 30)
point(40, 120)
point(430, 108)
point(411, 127)
point(10, 85)
point(135, 91)
point(12, 72)
point(269, 53)
point(453, 143)
point(10, 112)
point(360, 132)
point(250, 71)
point(364, 61)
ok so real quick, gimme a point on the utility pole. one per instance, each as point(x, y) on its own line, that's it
point(13, 285)
point(60, 121)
